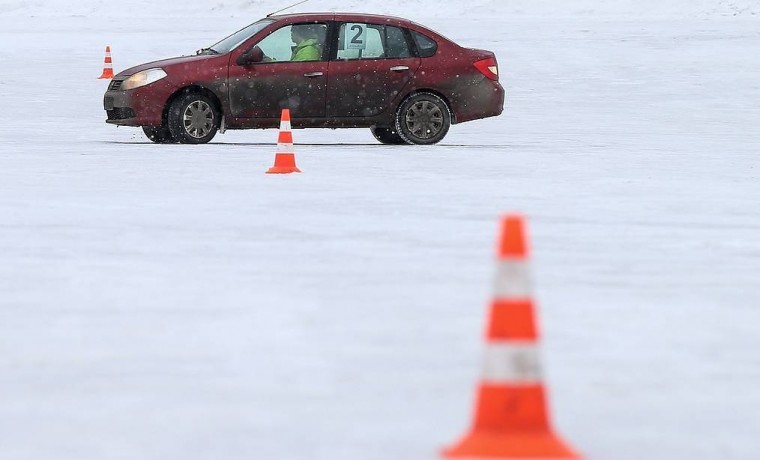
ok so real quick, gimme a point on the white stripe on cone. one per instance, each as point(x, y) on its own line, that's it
point(284, 148)
point(284, 125)
point(512, 280)
point(512, 362)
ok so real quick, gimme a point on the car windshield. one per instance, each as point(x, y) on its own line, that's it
point(233, 41)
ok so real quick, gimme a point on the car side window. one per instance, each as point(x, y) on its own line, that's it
point(296, 42)
point(396, 45)
point(371, 41)
point(426, 46)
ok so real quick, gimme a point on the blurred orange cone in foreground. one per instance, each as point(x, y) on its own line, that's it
point(511, 412)
point(107, 66)
point(285, 159)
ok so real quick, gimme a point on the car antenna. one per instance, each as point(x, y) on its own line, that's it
point(287, 8)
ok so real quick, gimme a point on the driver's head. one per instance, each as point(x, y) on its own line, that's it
point(300, 32)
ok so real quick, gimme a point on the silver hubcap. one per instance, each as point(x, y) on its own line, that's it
point(198, 119)
point(424, 119)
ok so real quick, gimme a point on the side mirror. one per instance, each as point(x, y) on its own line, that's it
point(252, 56)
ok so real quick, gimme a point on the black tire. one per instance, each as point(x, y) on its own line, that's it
point(160, 135)
point(387, 136)
point(423, 119)
point(193, 119)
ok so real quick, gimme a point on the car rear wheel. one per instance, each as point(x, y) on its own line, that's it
point(387, 136)
point(160, 135)
point(193, 119)
point(423, 118)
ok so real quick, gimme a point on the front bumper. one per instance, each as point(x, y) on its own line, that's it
point(142, 106)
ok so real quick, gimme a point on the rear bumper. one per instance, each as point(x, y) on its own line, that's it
point(481, 100)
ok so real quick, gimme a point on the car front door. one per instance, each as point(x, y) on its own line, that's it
point(372, 66)
point(291, 73)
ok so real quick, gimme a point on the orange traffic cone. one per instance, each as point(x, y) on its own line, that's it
point(511, 412)
point(107, 65)
point(285, 159)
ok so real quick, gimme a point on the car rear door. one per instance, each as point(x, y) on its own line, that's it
point(262, 89)
point(370, 69)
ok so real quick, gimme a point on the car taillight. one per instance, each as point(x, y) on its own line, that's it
point(488, 67)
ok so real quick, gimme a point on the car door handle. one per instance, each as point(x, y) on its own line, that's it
point(313, 74)
point(399, 68)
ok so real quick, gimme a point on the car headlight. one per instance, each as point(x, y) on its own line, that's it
point(143, 78)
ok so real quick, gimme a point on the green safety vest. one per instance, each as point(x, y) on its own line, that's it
point(307, 50)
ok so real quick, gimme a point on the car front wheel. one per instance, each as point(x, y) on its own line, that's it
point(193, 119)
point(387, 136)
point(423, 118)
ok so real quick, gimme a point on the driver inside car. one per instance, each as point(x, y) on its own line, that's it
point(307, 48)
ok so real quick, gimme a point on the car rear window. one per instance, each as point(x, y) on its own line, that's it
point(425, 45)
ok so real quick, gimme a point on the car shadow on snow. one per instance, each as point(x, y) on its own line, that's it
point(239, 144)
point(333, 144)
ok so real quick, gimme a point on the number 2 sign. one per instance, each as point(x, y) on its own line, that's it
point(356, 36)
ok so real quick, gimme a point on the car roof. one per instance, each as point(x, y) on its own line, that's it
point(340, 17)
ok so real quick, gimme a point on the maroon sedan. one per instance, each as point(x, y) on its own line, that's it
point(405, 82)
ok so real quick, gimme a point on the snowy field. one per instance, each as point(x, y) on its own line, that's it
point(174, 302)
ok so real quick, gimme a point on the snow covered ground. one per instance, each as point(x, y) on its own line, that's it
point(176, 302)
